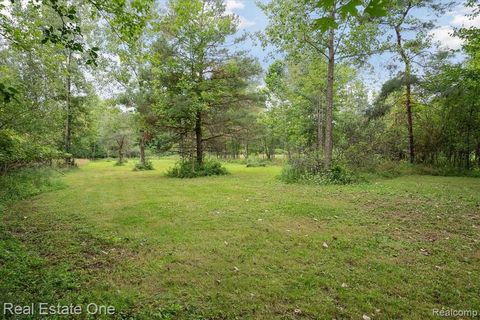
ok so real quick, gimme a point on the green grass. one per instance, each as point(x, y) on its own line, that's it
point(245, 246)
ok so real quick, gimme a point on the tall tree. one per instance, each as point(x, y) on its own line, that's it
point(410, 41)
point(200, 78)
point(326, 28)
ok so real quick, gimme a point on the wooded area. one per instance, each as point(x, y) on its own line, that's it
point(326, 188)
point(90, 80)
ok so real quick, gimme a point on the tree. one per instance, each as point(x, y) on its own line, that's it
point(326, 29)
point(200, 80)
point(46, 96)
point(294, 88)
point(117, 131)
point(411, 40)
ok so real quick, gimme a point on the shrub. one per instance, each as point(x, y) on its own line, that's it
point(254, 161)
point(189, 169)
point(447, 171)
point(147, 166)
point(19, 150)
point(390, 169)
point(118, 163)
point(23, 183)
point(309, 169)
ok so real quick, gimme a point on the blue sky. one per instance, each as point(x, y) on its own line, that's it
point(252, 20)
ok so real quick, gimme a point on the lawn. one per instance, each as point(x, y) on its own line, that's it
point(245, 245)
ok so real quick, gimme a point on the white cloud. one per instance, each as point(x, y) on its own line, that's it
point(244, 22)
point(459, 18)
point(231, 6)
point(444, 36)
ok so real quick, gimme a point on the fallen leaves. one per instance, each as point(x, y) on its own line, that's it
point(424, 252)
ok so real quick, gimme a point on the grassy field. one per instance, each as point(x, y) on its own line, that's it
point(245, 246)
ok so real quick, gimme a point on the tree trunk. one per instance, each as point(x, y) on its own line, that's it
point(120, 143)
point(408, 94)
point(329, 98)
point(478, 154)
point(68, 121)
point(469, 127)
point(120, 156)
point(142, 149)
point(267, 150)
point(198, 138)
point(408, 106)
point(319, 127)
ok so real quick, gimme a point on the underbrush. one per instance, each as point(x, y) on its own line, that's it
point(254, 161)
point(141, 167)
point(447, 171)
point(119, 164)
point(310, 169)
point(17, 262)
point(392, 169)
point(27, 182)
point(190, 169)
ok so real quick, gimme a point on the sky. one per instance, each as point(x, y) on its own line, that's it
point(253, 20)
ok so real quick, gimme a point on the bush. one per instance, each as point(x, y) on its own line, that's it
point(118, 163)
point(254, 161)
point(17, 150)
point(447, 171)
point(309, 169)
point(23, 183)
point(189, 169)
point(391, 169)
point(147, 166)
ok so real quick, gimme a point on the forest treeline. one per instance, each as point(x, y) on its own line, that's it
point(95, 79)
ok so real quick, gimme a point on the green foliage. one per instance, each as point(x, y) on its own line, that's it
point(380, 106)
point(147, 166)
point(203, 85)
point(189, 169)
point(62, 23)
point(255, 161)
point(24, 183)
point(368, 9)
point(18, 150)
point(377, 8)
point(447, 171)
point(120, 163)
point(309, 169)
point(7, 93)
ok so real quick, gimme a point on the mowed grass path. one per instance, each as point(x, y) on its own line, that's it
point(247, 246)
